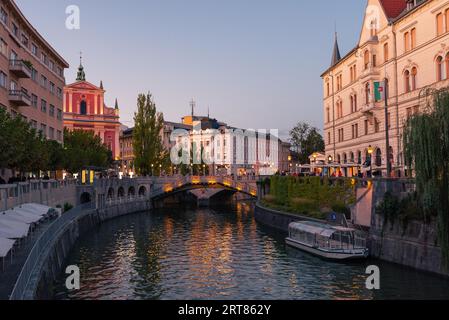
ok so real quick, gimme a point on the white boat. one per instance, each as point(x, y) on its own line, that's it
point(326, 241)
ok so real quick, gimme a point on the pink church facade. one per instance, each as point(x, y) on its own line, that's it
point(85, 109)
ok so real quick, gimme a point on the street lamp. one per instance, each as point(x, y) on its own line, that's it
point(160, 170)
point(370, 152)
point(329, 160)
point(152, 169)
point(204, 169)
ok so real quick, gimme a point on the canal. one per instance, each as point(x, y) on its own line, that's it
point(221, 253)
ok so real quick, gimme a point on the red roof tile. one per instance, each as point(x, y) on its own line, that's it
point(393, 8)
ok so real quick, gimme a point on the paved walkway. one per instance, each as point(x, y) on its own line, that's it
point(9, 276)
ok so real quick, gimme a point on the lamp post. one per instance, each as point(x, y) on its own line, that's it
point(160, 170)
point(204, 170)
point(152, 169)
point(329, 159)
point(370, 152)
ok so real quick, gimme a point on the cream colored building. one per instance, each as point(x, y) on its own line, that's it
point(405, 42)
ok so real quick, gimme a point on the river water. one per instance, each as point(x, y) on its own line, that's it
point(221, 253)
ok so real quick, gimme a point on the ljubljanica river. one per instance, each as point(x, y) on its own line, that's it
point(221, 253)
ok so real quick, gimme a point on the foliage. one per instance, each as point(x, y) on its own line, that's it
point(310, 196)
point(84, 148)
point(147, 143)
point(426, 141)
point(67, 207)
point(306, 140)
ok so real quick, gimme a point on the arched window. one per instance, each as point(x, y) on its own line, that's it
point(355, 103)
point(345, 158)
point(359, 157)
point(338, 159)
point(351, 157)
point(446, 69)
point(414, 74)
point(83, 107)
point(352, 104)
point(440, 69)
point(366, 59)
point(367, 93)
point(407, 81)
point(439, 24)
point(378, 157)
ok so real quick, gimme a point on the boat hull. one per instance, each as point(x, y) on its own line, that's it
point(343, 255)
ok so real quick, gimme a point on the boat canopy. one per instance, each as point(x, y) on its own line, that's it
point(317, 228)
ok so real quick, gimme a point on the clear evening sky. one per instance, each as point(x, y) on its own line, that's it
point(256, 64)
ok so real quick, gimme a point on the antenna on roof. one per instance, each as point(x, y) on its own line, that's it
point(192, 106)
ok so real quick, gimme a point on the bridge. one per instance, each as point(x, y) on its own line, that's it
point(106, 192)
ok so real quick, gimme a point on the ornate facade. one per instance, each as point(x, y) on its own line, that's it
point(85, 109)
point(405, 42)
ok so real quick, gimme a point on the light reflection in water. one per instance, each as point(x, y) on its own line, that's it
point(221, 253)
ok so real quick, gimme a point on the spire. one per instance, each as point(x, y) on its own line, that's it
point(336, 57)
point(81, 75)
point(101, 85)
point(116, 104)
point(192, 106)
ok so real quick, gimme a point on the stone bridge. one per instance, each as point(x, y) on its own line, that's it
point(104, 192)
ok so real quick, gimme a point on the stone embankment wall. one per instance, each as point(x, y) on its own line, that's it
point(277, 219)
point(52, 261)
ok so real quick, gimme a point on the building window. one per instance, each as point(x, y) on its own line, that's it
point(3, 80)
point(25, 40)
point(33, 74)
point(52, 88)
point(59, 114)
point(59, 92)
point(59, 135)
point(440, 69)
point(413, 38)
point(439, 24)
point(328, 138)
point(366, 127)
point(386, 52)
point(34, 100)
point(83, 107)
point(407, 81)
point(367, 93)
point(366, 59)
point(43, 130)
point(3, 47)
point(15, 30)
point(34, 49)
point(413, 78)
point(51, 133)
point(328, 116)
point(374, 60)
point(406, 42)
point(44, 106)
point(376, 126)
point(51, 111)
point(355, 103)
point(3, 16)
point(44, 81)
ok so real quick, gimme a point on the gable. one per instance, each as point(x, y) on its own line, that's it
point(82, 85)
point(375, 16)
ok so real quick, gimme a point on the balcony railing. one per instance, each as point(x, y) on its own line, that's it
point(19, 98)
point(20, 68)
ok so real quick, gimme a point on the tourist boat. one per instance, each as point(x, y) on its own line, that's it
point(327, 241)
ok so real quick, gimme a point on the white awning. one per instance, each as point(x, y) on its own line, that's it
point(5, 246)
point(18, 230)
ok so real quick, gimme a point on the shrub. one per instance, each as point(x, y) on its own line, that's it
point(67, 207)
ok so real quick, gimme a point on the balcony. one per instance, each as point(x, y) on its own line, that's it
point(20, 68)
point(19, 98)
point(368, 109)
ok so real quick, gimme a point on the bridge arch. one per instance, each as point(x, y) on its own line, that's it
point(131, 191)
point(142, 191)
point(111, 193)
point(121, 192)
point(85, 198)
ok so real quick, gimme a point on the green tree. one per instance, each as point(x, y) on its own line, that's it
point(148, 148)
point(84, 148)
point(426, 142)
point(306, 140)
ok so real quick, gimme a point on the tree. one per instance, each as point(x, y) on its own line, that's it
point(84, 148)
point(148, 148)
point(306, 140)
point(426, 142)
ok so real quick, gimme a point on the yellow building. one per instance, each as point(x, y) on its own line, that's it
point(405, 42)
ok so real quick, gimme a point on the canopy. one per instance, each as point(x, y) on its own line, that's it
point(320, 229)
point(17, 229)
point(5, 246)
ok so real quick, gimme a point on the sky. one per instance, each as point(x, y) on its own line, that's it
point(252, 63)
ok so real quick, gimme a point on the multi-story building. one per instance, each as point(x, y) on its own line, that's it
point(31, 73)
point(85, 109)
point(404, 43)
point(226, 150)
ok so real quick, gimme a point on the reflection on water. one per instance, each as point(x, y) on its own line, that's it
point(221, 253)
